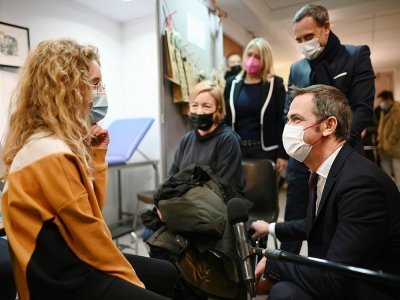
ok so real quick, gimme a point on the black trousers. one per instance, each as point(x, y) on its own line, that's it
point(286, 290)
point(7, 285)
point(159, 277)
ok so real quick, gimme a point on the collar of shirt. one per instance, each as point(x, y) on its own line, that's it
point(323, 172)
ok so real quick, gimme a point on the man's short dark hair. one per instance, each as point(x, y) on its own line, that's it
point(386, 95)
point(317, 12)
point(232, 54)
point(329, 102)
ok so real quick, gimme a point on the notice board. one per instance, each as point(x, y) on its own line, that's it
point(198, 32)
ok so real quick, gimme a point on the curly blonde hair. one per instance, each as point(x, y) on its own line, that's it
point(52, 95)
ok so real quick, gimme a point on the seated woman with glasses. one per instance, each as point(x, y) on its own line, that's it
point(56, 179)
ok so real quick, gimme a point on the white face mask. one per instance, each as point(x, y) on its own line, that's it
point(384, 106)
point(293, 142)
point(311, 49)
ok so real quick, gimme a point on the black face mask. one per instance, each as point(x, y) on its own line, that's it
point(233, 71)
point(236, 69)
point(201, 122)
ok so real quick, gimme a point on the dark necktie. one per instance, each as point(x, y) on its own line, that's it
point(312, 192)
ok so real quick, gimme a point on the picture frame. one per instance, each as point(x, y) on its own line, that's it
point(14, 45)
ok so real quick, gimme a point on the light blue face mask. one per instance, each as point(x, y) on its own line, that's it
point(99, 107)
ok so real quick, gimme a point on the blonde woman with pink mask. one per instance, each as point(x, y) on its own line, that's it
point(255, 100)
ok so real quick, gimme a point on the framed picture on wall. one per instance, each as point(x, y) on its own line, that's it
point(14, 44)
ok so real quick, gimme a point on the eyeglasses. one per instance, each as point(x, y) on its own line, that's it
point(98, 87)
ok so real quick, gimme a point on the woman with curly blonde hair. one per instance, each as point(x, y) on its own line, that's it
point(52, 96)
point(56, 175)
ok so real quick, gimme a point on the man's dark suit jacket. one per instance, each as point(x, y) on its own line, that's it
point(272, 122)
point(353, 75)
point(358, 224)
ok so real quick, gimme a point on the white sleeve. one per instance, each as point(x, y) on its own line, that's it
point(272, 229)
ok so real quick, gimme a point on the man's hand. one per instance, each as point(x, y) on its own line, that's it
point(262, 285)
point(101, 138)
point(261, 229)
point(281, 165)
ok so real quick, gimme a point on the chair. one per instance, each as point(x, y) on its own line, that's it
point(145, 197)
point(262, 189)
point(125, 137)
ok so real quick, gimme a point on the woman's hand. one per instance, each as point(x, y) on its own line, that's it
point(262, 285)
point(101, 138)
point(159, 214)
point(260, 268)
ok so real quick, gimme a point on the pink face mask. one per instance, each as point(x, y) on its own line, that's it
point(252, 65)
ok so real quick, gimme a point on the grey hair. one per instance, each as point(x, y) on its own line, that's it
point(317, 12)
point(329, 102)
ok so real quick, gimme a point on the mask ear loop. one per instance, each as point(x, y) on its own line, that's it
point(319, 122)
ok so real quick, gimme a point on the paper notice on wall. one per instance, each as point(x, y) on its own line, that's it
point(196, 31)
point(172, 65)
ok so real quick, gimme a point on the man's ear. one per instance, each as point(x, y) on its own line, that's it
point(330, 126)
point(327, 26)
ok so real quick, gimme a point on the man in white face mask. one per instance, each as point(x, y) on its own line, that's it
point(326, 61)
point(357, 207)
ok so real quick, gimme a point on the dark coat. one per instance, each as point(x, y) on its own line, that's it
point(357, 224)
point(353, 75)
point(273, 124)
point(193, 206)
point(220, 150)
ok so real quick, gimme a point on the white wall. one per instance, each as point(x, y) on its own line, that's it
point(140, 77)
point(48, 19)
point(7, 82)
point(140, 99)
point(128, 54)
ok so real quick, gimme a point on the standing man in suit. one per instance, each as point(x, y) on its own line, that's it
point(357, 207)
point(326, 61)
